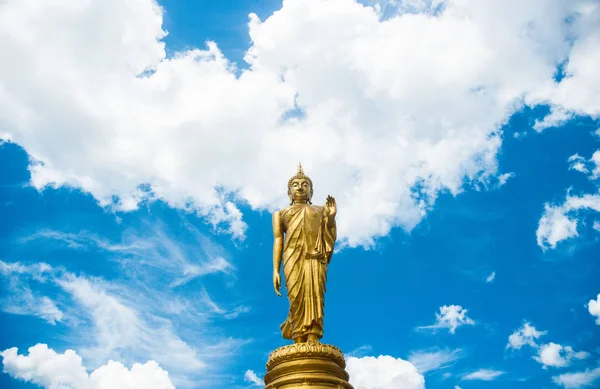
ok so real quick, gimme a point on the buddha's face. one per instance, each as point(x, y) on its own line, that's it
point(300, 190)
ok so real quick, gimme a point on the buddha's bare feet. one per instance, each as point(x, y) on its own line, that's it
point(312, 338)
point(300, 339)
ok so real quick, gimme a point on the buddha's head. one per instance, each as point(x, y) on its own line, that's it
point(300, 188)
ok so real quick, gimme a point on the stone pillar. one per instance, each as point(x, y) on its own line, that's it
point(307, 366)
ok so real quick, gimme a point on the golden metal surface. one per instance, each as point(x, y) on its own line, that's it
point(306, 365)
point(304, 236)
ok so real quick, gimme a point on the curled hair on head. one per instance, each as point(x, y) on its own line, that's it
point(300, 175)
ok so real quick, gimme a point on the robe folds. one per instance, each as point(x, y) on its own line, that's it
point(307, 250)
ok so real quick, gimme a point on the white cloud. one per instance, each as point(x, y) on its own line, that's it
point(559, 222)
point(360, 351)
point(526, 335)
point(557, 117)
point(590, 167)
point(214, 307)
point(250, 376)
point(577, 162)
point(119, 327)
point(571, 95)
point(128, 322)
point(20, 299)
point(483, 375)
point(595, 161)
point(414, 101)
point(428, 360)
point(24, 302)
point(594, 308)
point(451, 317)
point(383, 372)
point(457, 387)
point(152, 246)
point(555, 355)
point(503, 178)
point(51, 370)
point(577, 380)
point(38, 271)
point(491, 277)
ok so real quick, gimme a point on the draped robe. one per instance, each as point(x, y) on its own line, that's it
point(307, 251)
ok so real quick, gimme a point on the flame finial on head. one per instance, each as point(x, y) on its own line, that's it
point(300, 174)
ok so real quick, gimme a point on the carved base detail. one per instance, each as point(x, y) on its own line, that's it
point(307, 365)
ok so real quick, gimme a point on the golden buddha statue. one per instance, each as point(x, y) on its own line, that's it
point(304, 237)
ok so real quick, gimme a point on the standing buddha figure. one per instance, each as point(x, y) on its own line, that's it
point(304, 237)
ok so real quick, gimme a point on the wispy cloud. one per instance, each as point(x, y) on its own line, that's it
point(226, 313)
point(180, 260)
point(430, 360)
point(491, 277)
point(124, 330)
point(20, 299)
point(450, 317)
point(360, 351)
point(251, 377)
point(503, 178)
point(129, 319)
point(483, 375)
point(578, 379)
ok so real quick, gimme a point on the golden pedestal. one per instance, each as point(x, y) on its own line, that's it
point(307, 365)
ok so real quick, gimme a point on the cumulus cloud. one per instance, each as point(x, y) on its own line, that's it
point(594, 308)
point(251, 377)
point(483, 375)
point(556, 355)
point(560, 221)
point(578, 379)
point(429, 360)
point(577, 162)
point(590, 167)
point(397, 104)
point(383, 372)
point(451, 317)
point(526, 335)
point(51, 370)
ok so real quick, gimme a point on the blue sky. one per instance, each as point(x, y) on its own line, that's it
point(140, 171)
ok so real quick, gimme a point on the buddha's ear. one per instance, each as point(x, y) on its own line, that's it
point(290, 197)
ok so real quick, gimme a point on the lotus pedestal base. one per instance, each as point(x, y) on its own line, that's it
point(307, 366)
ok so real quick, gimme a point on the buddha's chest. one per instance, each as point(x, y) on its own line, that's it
point(304, 216)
